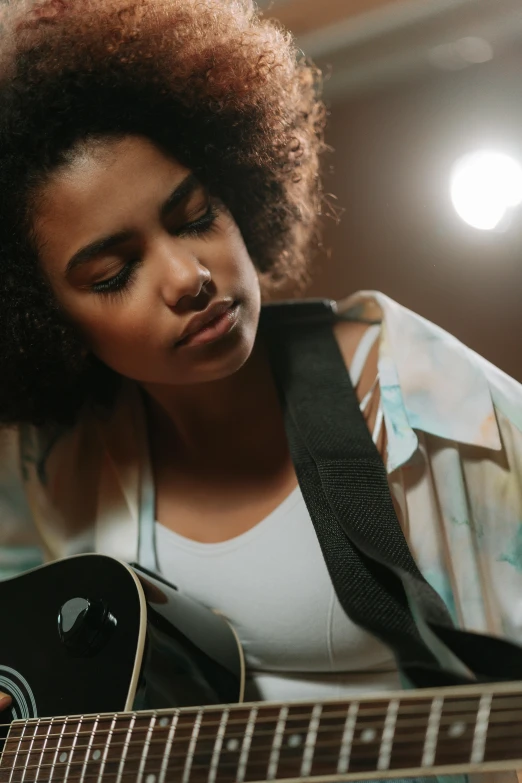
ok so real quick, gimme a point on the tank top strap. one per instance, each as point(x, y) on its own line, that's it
point(147, 555)
point(359, 360)
point(362, 352)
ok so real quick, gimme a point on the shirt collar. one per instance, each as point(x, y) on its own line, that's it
point(429, 381)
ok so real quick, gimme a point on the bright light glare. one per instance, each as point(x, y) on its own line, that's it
point(484, 185)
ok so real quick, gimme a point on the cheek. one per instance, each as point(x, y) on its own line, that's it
point(114, 334)
point(130, 333)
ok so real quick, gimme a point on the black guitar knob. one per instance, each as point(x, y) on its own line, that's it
point(85, 626)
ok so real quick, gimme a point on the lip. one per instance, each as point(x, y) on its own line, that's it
point(210, 325)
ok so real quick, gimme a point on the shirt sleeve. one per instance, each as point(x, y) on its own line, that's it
point(494, 490)
point(461, 507)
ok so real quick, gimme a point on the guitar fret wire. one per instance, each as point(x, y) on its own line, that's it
point(407, 701)
point(481, 729)
point(44, 748)
point(432, 732)
point(29, 753)
point(182, 755)
point(106, 750)
point(168, 745)
point(258, 771)
point(406, 710)
point(410, 739)
point(245, 747)
point(143, 759)
point(266, 748)
point(388, 734)
point(273, 760)
point(192, 747)
point(33, 725)
point(214, 761)
point(510, 717)
point(56, 751)
point(261, 766)
point(343, 706)
point(17, 750)
point(125, 748)
point(347, 738)
point(309, 746)
point(69, 757)
point(88, 751)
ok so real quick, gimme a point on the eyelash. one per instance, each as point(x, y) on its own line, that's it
point(125, 276)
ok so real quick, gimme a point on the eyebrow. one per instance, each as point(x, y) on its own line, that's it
point(95, 249)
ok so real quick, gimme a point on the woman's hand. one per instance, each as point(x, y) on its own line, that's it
point(5, 701)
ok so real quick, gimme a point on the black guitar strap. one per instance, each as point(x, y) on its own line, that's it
point(345, 487)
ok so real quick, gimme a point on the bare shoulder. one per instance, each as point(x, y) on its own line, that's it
point(348, 335)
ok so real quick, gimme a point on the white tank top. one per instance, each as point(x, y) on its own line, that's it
point(272, 583)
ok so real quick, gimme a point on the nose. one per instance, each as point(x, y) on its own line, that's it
point(181, 274)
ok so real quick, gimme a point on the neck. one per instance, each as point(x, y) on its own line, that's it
point(200, 418)
point(427, 732)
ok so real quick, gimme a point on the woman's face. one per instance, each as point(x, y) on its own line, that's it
point(134, 248)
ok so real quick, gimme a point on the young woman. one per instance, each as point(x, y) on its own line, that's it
point(158, 183)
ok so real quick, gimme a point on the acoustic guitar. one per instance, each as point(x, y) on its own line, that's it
point(116, 676)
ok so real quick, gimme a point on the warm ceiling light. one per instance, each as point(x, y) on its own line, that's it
point(485, 185)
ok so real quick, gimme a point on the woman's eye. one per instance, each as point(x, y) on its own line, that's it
point(119, 281)
point(201, 225)
point(125, 276)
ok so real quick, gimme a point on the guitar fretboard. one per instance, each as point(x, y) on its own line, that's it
point(410, 733)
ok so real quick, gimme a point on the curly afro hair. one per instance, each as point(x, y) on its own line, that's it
point(211, 83)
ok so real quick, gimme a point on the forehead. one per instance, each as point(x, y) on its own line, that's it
point(106, 186)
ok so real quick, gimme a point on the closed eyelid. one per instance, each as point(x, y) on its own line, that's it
point(197, 228)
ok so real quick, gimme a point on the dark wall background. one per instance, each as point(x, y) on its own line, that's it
point(394, 149)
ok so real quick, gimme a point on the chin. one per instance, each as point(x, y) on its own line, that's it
point(229, 362)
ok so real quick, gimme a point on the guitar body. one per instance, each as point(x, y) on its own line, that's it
point(116, 676)
point(137, 644)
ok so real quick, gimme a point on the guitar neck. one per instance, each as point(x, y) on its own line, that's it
point(427, 732)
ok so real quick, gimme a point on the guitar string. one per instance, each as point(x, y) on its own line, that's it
point(340, 709)
point(261, 773)
point(441, 751)
point(212, 738)
point(370, 707)
point(367, 762)
point(451, 704)
point(208, 738)
point(448, 717)
point(445, 743)
point(399, 744)
point(324, 729)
